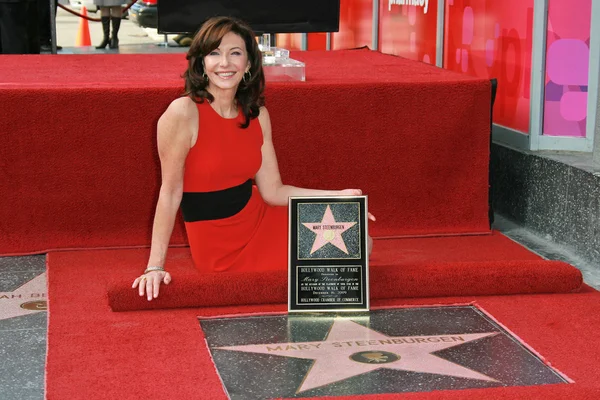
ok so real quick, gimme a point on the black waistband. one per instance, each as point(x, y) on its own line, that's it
point(204, 206)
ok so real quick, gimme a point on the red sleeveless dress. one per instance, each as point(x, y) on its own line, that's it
point(225, 156)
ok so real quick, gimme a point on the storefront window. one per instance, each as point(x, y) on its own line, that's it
point(567, 66)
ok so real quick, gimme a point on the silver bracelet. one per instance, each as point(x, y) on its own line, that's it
point(154, 268)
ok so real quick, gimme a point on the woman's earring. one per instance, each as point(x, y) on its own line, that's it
point(246, 79)
point(204, 76)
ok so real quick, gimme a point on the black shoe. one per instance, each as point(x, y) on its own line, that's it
point(114, 43)
point(105, 42)
point(47, 48)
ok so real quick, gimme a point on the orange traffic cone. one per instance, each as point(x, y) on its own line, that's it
point(83, 36)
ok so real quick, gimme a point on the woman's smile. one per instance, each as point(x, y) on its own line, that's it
point(225, 75)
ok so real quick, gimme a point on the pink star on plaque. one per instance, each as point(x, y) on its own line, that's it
point(329, 231)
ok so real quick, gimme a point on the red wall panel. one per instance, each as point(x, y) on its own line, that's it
point(493, 39)
point(356, 22)
point(408, 31)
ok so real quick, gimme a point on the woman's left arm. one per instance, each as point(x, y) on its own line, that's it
point(268, 179)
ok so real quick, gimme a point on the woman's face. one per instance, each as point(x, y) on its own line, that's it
point(225, 66)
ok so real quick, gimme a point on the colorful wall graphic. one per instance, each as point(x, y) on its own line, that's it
point(408, 31)
point(487, 39)
point(493, 39)
point(567, 65)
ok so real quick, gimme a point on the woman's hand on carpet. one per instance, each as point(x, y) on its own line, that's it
point(350, 192)
point(149, 283)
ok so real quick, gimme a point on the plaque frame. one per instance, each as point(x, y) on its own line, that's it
point(354, 268)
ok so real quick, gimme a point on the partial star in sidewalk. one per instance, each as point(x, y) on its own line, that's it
point(351, 349)
point(329, 231)
point(29, 298)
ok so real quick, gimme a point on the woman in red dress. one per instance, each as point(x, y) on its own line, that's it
point(213, 143)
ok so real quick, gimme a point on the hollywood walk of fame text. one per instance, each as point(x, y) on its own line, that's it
point(330, 284)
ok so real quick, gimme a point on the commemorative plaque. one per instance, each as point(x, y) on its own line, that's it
point(328, 260)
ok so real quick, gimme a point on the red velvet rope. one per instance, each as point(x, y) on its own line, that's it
point(90, 18)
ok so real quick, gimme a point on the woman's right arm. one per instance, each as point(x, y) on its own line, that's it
point(176, 132)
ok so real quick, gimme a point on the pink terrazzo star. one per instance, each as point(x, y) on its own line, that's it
point(30, 298)
point(351, 349)
point(329, 231)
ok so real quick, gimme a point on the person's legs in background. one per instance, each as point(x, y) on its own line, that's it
point(105, 18)
point(115, 17)
point(33, 27)
point(13, 27)
point(46, 24)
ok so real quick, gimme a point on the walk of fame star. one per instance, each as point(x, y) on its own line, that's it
point(27, 299)
point(329, 231)
point(351, 349)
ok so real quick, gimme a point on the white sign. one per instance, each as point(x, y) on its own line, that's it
point(417, 3)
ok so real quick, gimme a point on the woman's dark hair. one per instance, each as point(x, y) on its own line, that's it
point(249, 94)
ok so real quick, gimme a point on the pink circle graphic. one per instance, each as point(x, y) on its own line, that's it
point(489, 52)
point(573, 106)
point(556, 125)
point(465, 60)
point(467, 33)
point(567, 62)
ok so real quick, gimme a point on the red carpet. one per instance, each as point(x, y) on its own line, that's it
point(409, 267)
point(389, 282)
point(94, 353)
point(80, 168)
point(390, 276)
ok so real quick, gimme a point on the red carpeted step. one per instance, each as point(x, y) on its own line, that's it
point(414, 137)
point(400, 268)
point(387, 282)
